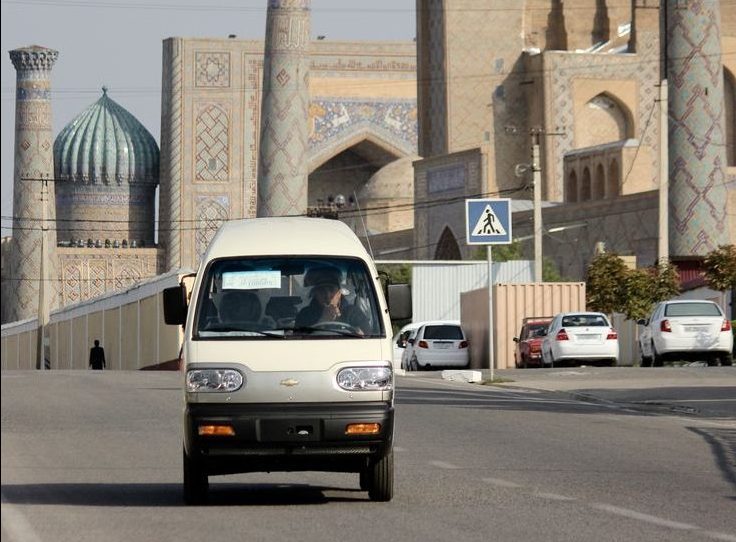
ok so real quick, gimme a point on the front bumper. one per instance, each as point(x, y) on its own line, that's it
point(287, 437)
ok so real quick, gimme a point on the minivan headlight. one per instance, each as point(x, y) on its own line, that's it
point(365, 378)
point(222, 380)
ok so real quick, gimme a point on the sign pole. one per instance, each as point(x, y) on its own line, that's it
point(491, 361)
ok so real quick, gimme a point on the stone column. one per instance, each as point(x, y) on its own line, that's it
point(282, 156)
point(34, 215)
point(697, 148)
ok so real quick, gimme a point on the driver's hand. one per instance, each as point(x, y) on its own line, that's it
point(331, 312)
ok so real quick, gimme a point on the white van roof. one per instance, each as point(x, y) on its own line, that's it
point(272, 236)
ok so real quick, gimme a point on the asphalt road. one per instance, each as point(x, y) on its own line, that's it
point(92, 456)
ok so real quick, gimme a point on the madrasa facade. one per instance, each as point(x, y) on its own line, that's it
point(399, 135)
point(582, 79)
point(108, 168)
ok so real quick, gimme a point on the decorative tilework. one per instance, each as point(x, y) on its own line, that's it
point(212, 69)
point(212, 159)
point(211, 212)
point(330, 120)
point(697, 194)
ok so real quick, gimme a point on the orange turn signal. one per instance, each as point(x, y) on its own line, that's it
point(216, 430)
point(363, 429)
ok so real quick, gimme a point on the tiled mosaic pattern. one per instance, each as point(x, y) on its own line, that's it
point(282, 167)
point(212, 69)
point(34, 165)
point(212, 158)
point(697, 167)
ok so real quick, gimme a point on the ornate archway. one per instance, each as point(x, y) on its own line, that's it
point(447, 247)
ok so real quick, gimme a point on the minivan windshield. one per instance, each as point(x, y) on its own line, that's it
point(262, 298)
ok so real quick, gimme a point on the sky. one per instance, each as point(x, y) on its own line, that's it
point(118, 43)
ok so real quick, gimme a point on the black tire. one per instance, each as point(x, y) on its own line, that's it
point(645, 361)
point(380, 477)
point(363, 480)
point(657, 360)
point(196, 484)
point(524, 362)
point(727, 360)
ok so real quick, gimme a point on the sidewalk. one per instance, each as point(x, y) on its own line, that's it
point(701, 391)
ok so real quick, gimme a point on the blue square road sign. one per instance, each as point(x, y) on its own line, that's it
point(488, 221)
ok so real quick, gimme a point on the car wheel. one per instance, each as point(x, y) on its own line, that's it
point(657, 360)
point(524, 362)
point(380, 478)
point(645, 361)
point(364, 480)
point(196, 484)
point(727, 360)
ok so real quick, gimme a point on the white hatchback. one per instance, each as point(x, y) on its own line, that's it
point(692, 329)
point(438, 344)
point(580, 337)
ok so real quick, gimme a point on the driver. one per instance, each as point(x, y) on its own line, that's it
point(328, 303)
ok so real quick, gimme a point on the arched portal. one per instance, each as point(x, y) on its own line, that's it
point(585, 189)
point(447, 248)
point(571, 188)
point(604, 119)
point(599, 184)
point(347, 166)
point(613, 187)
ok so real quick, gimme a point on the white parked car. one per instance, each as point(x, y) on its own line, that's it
point(693, 329)
point(437, 344)
point(581, 337)
point(400, 342)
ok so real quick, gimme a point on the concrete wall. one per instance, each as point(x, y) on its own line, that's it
point(129, 325)
point(511, 304)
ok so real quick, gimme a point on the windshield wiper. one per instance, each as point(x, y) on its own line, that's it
point(312, 329)
point(228, 327)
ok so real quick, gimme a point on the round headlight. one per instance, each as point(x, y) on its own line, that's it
point(222, 380)
point(365, 378)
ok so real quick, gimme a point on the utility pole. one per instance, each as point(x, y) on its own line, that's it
point(537, 185)
point(663, 252)
point(43, 310)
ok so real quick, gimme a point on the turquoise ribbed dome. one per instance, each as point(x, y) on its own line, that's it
point(105, 144)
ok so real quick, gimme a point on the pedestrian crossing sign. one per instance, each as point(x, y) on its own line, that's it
point(488, 221)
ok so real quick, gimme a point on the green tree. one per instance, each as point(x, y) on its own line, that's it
point(606, 283)
point(612, 287)
point(720, 268)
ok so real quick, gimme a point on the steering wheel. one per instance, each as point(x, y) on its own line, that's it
point(335, 325)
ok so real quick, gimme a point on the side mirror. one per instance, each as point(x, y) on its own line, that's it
point(399, 301)
point(516, 339)
point(641, 322)
point(401, 343)
point(175, 305)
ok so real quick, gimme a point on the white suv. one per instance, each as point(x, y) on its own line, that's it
point(695, 329)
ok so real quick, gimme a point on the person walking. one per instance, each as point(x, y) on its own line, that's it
point(97, 356)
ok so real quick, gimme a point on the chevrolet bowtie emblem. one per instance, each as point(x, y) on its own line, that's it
point(289, 382)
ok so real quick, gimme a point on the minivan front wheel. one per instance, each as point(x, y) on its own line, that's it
point(379, 477)
point(196, 484)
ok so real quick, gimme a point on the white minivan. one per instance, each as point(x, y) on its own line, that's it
point(287, 355)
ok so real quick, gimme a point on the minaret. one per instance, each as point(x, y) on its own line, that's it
point(32, 262)
point(697, 149)
point(282, 157)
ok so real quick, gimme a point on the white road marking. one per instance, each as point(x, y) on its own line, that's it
point(553, 496)
point(501, 483)
point(720, 536)
point(443, 465)
point(633, 514)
